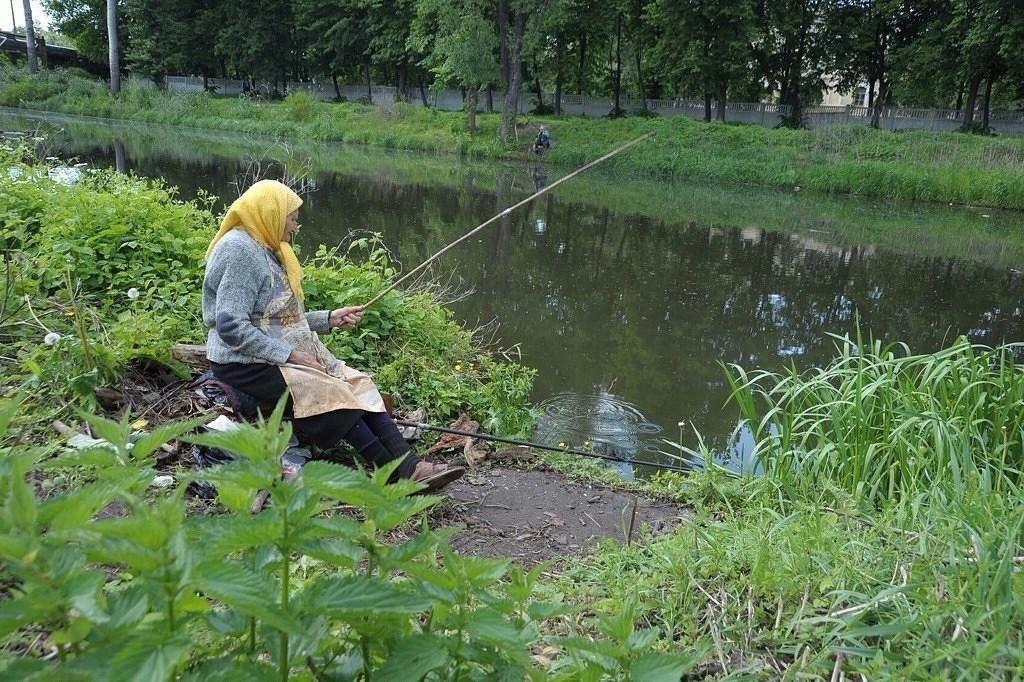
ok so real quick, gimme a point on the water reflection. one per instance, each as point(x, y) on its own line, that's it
point(654, 302)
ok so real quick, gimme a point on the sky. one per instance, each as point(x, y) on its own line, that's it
point(38, 13)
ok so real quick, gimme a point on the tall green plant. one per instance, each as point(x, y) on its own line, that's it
point(884, 424)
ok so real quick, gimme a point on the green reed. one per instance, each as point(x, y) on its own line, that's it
point(884, 424)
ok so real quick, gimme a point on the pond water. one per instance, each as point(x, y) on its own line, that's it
point(626, 294)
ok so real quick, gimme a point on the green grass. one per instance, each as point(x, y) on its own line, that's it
point(888, 426)
point(927, 166)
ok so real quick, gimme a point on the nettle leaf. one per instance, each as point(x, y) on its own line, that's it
point(344, 595)
point(412, 658)
point(85, 592)
point(148, 443)
point(493, 628)
point(423, 543)
point(242, 474)
point(150, 656)
point(8, 408)
point(336, 551)
point(600, 653)
point(232, 669)
point(641, 639)
point(655, 667)
point(99, 456)
point(127, 607)
point(32, 608)
point(394, 513)
point(223, 535)
point(228, 621)
point(248, 591)
point(122, 552)
point(75, 509)
point(335, 480)
point(21, 507)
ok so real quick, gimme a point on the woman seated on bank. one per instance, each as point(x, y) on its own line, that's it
point(261, 341)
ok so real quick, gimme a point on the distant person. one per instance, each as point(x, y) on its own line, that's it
point(543, 141)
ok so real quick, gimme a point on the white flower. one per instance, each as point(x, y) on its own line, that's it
point(133, 293)
point(51, 338)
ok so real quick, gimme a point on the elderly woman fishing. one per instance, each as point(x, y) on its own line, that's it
point(262, 342)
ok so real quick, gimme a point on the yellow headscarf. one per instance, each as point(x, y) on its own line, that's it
point(261, 211)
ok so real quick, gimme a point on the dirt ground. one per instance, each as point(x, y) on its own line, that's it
point(533, 515)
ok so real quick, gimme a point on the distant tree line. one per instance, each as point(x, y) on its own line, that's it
point(967, 54)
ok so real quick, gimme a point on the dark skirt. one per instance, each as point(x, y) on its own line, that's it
point(266, 384)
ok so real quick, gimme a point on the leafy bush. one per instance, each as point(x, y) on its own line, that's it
point(76, 251)
point(161, 594)
point(300, 105)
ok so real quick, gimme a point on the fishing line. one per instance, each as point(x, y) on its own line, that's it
point(540, 446)
point(506, 212)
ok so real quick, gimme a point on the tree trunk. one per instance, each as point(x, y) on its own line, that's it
point(490, 98)
point(617, 76)
point(472, 96)
point(44, 58)
point(707, 104)
point(581, 81)
point(369, 84)
point(558, 94)
point(30, 36)
point(114, 52)
point(987, 102)
point(871, 94)
point(972, 100)
point(639, 51)
point(876, 111)
point(503, 46)
point(537, 89)
point(723, 92)
point(337, 90)
point(423, 95)
point(559, 59)
point(511, 107)
point(402, 96)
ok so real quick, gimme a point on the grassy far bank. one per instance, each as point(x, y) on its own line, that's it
point(918, 165)
point(985, 235)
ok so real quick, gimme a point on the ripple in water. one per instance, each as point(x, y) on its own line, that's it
point(601, 422)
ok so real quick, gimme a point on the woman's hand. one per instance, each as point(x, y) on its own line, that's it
point(298, 357)
point(349, 316)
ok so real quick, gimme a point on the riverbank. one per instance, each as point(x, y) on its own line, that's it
point(918, 165)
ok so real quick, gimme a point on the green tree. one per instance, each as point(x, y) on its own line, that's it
point(460, 45)
point(258, 43)
point(84, 22)
point(793, 40)
point(171, 37)
point(704, 45)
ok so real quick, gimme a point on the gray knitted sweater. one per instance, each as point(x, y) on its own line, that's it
point(236, 292)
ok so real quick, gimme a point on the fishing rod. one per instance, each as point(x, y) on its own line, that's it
point(541, 446)
point(502, 214)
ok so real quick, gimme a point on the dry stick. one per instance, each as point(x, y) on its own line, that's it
point(506, 212)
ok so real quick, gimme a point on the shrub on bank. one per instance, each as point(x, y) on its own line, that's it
point(76, 250)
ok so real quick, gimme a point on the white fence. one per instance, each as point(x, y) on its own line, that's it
point(892, 118)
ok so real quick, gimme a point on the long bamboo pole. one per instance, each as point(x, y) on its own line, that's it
point(506, 212)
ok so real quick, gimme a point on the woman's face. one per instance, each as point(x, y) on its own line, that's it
point(291, 226)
